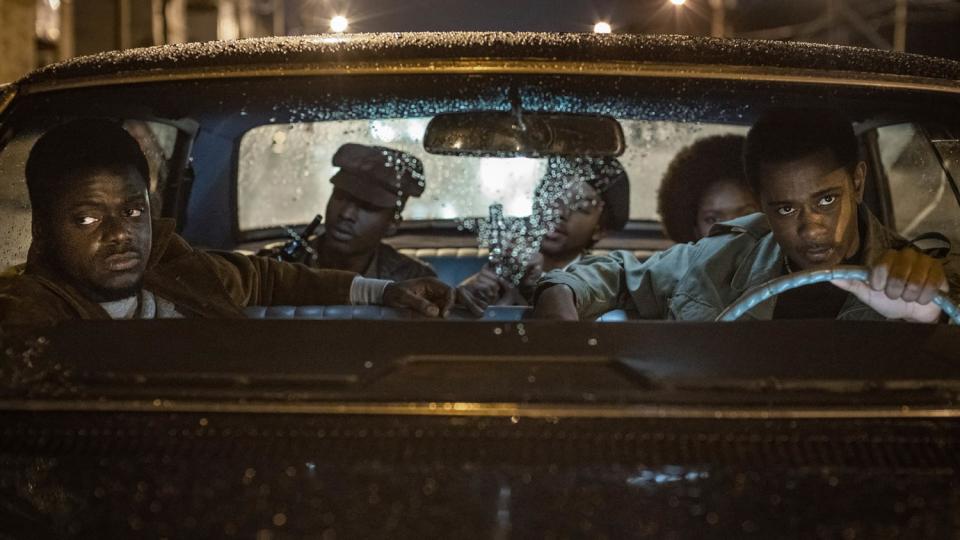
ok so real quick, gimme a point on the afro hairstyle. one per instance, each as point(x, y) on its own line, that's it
point(693, 170)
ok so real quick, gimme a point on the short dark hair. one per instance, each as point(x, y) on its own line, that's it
point(786, 134)
point(77, 147)
point(691, 172)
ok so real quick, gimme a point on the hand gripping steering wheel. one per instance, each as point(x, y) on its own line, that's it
point(808, 277)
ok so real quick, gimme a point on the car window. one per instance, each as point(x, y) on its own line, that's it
point(284, 169)
point(157, 141)
point(14, 202)
point(920, 193)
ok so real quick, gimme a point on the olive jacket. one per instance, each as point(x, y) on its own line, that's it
point(199, 283)
point(696, 281)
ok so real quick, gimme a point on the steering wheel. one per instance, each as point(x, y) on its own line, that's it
point(808, 277)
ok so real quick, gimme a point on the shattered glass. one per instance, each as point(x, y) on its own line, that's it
point(513, 241)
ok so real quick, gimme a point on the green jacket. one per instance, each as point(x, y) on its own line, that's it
point(199, 283)
point(695, 282)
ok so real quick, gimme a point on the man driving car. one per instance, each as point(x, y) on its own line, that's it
point(97, 253)
point(804, 167)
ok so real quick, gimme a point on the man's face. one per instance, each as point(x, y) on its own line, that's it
point(354, 226)
point(811, 205)
point(579, 211)
point(99, 233)
point(722, 201)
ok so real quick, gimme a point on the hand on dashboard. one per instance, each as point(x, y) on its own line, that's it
point(427, 296)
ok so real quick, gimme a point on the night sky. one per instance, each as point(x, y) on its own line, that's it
point(933, 30)
point(478, 15)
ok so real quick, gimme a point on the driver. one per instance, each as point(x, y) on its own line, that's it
point(803, 165)
point(97, 253)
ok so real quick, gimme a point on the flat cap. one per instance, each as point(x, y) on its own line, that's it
point(378, 175)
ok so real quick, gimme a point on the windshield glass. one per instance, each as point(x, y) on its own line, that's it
point(284, 169)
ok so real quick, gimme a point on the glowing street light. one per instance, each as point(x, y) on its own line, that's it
point(678, 2)
point(339, 24)
point(602, 28)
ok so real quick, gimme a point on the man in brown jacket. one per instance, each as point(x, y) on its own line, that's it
point(98, 254)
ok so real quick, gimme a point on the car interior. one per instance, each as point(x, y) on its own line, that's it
point(240, 165)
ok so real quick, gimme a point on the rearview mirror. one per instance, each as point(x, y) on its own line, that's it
point(504, 134)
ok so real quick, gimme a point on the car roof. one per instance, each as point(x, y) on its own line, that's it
point(310, 54)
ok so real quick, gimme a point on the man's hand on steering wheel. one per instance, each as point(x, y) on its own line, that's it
point(902, 286)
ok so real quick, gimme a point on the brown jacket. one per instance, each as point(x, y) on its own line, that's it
point(199, 283)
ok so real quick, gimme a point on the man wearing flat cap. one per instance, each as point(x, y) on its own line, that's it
point(369, 193)
point(578, 200)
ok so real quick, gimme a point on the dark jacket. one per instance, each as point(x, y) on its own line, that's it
point(695, 282)
point(199, 283)
point(387, 262)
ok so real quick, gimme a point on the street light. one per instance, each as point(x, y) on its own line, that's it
point(678, 2)
point(339, 24)
point(602, 28)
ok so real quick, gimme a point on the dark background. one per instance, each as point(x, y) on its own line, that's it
point(34, 33)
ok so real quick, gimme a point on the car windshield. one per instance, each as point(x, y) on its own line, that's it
point(243, 165)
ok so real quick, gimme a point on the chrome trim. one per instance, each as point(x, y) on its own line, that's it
point(532, 66)
point(511, 410)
